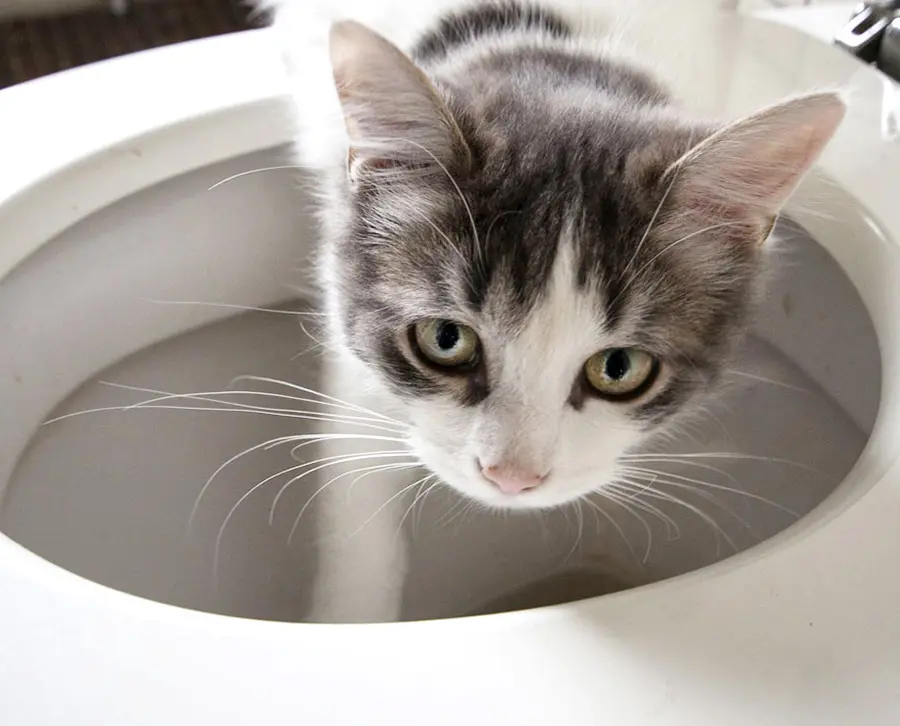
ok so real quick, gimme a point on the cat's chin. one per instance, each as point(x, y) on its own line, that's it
point(543, 497)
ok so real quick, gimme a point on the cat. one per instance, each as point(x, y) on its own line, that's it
point(531, 258)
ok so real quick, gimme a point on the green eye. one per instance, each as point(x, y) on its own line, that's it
point(621, 373)
point(445, 343)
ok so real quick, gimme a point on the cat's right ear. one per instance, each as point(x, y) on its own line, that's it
point(394, 116)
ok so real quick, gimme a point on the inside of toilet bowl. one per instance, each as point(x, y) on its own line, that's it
point(108, 495)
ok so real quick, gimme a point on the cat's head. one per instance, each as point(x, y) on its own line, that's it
point(546, 277)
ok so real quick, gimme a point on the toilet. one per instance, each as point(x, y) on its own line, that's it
point(133, 243)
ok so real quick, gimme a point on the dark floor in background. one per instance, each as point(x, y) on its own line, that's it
point(35, 47)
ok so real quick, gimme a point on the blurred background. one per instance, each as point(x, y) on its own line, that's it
point(38, 37)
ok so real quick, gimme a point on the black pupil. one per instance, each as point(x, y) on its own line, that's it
point(448, 336)
point(617, 365)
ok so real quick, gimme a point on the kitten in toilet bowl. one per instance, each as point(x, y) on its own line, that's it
point(533, 263)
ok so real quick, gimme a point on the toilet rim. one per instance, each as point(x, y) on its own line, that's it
point(237, 80)
point(249, 95)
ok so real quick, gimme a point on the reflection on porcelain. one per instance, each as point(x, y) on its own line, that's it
point(890, 110)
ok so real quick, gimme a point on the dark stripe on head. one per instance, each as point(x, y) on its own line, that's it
point(481, 274)
point(484, 19)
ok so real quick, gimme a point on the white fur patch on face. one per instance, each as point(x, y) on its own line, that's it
point(527, 422)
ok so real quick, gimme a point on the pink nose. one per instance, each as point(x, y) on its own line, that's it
point(510, 480)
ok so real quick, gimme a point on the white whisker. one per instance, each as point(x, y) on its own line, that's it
point(763, 379)
point(697, 491)
point(361, 473)
point(254, 171)
point(256, 411)
point(709, 498)
point(313, 392)
point(446, 518)
point(325, 462)
point(382, 508)
point(669, 246)
point(265, 445)
point(417, 515)
point(462, 197)
point(720, 455)
point(579, 518)
point(662, 201)
point(660, 459)
point(615, 524)
point(422, 483)
point(714, 526)
point(662, 476)
point(443, 235)
point(625, 488)
point(210, 396)
point(613, 496)
point(260, 484)
point(231, 512)
point(460, 517)
point(233, 306)
point(318, 438)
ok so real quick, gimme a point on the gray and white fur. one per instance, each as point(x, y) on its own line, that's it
point(497, 166)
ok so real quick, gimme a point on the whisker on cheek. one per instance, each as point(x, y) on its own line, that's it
point(248, 172)
point(234, 306)
point(325, 462)
point(321, 397)
point(625, 489)
point(672, 479)
point(717, 530)
point(609, 518)
point(629, 507)
point(425, 487)
point(360, 474)
point(392, 498)
point(733, 456)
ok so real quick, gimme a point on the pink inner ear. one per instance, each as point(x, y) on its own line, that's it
point(754, 165)
point(392, 112)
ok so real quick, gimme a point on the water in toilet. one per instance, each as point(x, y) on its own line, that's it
point(539, 367)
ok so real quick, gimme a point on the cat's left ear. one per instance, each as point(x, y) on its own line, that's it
point(746, 171)
point(394, 115)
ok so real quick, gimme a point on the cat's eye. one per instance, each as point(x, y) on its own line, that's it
point(446, 344)
point(621, 374)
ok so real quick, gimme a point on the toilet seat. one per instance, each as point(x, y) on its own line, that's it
point(802, 629)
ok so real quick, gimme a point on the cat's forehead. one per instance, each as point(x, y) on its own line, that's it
point(563, 326)
point(480, 245)
point(501, 259)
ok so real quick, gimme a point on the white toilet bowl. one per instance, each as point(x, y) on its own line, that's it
point(109, 615)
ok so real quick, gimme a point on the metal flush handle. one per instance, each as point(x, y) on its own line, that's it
point(862, 35)
point(889, 56)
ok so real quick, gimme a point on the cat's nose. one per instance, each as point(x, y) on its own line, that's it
point(511, 480)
